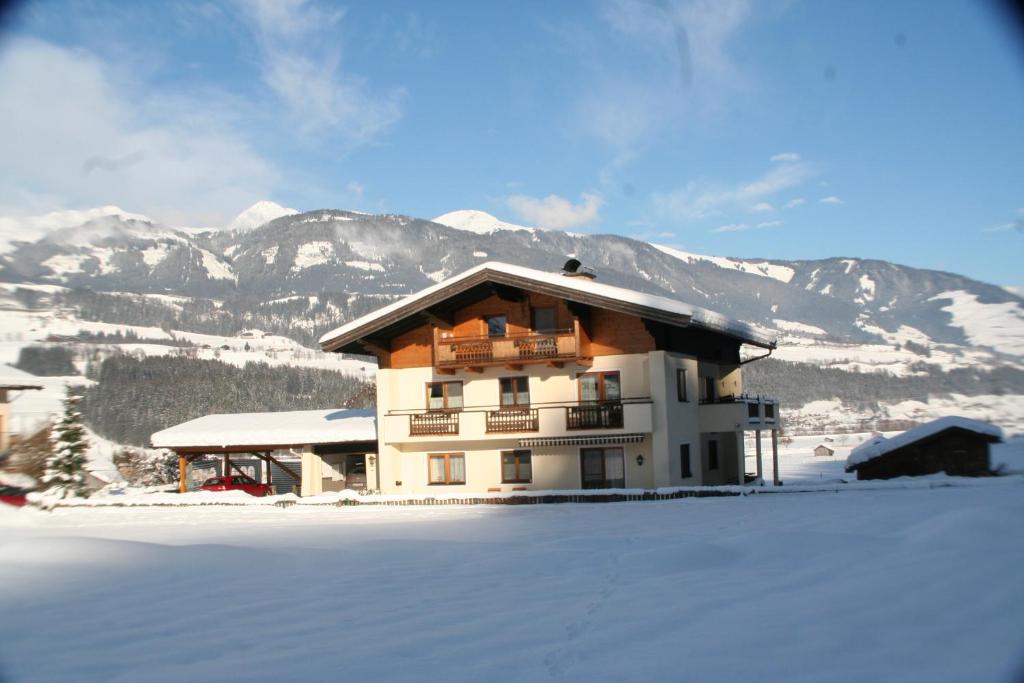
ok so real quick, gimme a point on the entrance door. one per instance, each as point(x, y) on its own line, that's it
point(603, 468)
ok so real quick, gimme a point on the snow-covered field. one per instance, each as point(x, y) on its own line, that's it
point(888, 585)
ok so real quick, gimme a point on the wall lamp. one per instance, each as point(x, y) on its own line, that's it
point(640, 460)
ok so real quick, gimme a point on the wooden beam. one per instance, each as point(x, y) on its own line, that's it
point(775, 457)
point(507, 293)
point(474, 368)
point(182, 474)
point(437, 319)
point(555, 364)
point(288, 470)
point(373, 348)
point(514, 366)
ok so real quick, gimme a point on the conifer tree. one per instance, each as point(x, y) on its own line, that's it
point(65, 469)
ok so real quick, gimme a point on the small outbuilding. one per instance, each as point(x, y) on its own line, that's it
point(955, 445)
point(823, 451)
point(337, 448)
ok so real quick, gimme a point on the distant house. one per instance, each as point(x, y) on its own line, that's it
point(957, 446)
point(823, 451)
point(12, 381)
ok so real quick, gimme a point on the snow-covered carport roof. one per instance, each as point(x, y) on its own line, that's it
point(12, 378)
point(249, 432)
point(576, 289)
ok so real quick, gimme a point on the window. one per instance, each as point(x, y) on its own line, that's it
point(600, 386)
point(515, 392)
point(544, 320)
point(444, 395)
point(516, 467)
point(707, 389)
point(496, 325)
point(603, 468)
point(712, 455)
point(769, 411)
point(446, 468)
point(681, 384)
point(684, 461)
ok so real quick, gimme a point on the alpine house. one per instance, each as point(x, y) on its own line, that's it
point(506, 378)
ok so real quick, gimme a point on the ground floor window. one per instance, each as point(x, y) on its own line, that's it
point(684, 461)
point(447, 468)
point(603, 468)
point(516, 467)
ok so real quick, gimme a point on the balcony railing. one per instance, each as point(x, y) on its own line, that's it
point(514, 420)
point(594, 416)
point(434, 422)
point(465, 351)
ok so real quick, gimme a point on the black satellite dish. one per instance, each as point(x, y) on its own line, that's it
point(571, 266)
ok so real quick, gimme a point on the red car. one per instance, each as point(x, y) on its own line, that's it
point(12, 495)
point(238, 483)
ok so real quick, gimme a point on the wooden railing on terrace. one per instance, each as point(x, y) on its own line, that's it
point(513, 420)
point(519, 348)
point(434, 422)
point(607, 415)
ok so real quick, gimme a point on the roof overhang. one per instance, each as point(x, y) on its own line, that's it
point(346, 337)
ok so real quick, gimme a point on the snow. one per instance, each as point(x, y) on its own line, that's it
point(802, 328)
point(63, 264)
point(258, 214)
point(261, 429)
point(855, 586)
point(365, 265)
point(698, 316)
point(215, 268)
point(762, 268)
point(311, 254)
point(999, 326)
point(480, 222)
point(154, 255)
point(11, 376)
point(879, 445)
point(867, 287)
point(850, 263)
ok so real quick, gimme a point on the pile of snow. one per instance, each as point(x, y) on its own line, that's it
point(480, 222)
point(258, 214)
point(879, 445)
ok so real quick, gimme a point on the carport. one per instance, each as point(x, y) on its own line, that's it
point(309, 433)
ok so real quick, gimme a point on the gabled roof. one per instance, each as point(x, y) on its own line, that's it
point(879, 445)
point(13, 378)
point(577, 289)
point(283, 429)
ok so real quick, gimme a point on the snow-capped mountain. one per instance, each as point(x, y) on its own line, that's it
point(33, 227)
point(258, 214)
point(480, 222)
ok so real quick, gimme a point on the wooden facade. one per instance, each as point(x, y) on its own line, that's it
point(957, 452)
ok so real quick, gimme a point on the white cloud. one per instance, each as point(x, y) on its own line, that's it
point(762, 207)
point(831, 199)
point(700, 199)
point(78, 137)
point(786, 156)
point(301, 61)
point(793, 203)
point(356, 188)
point(556, 212)
point(743, 227)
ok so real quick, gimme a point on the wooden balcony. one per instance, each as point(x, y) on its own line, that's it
point(552, 347)
point(434, 422)
point(607, 415)
point(512, 420)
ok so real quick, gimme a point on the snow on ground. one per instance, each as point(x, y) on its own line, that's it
point(895, 585)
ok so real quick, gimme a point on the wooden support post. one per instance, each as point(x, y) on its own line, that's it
point(270, 474)
point(775, 456)
point(225, 470)
point(182, 474)
point(760, 466)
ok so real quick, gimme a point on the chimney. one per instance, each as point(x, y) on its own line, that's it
point(573, 268)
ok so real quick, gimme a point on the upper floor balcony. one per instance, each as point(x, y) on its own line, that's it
point(513, 349)
point(744, 412)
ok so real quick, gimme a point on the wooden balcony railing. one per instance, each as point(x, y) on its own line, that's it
point(594, 416)
point(466, 351)
point(513, 420)
point(434, 422)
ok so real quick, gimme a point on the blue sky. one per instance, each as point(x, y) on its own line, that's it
point(772, 129)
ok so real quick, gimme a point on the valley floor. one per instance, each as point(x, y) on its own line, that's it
point(898, 584)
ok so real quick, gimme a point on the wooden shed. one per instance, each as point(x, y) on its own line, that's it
point(823, 451)
point(957, 446)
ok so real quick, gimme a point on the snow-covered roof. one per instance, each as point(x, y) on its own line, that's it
point(13, 378)
point(580, 288)
point(879, 445)
point(293, 428)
